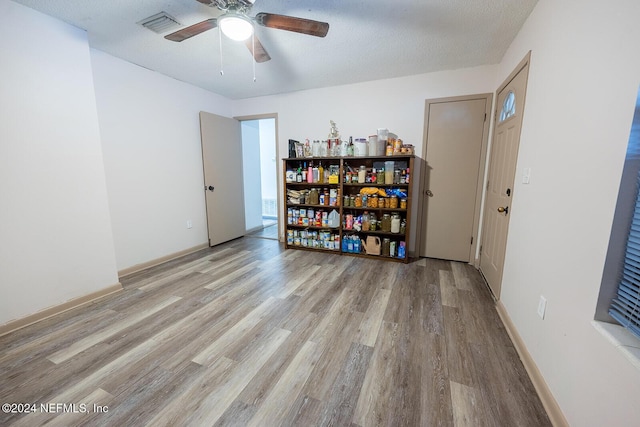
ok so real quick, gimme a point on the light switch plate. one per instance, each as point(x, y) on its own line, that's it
point(542, 306)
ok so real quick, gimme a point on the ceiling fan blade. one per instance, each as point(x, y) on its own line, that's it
point(207, 2)
point(290, 23)
point(193, 30)
point(260, 54)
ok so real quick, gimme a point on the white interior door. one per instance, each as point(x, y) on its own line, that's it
point(222, 163)
point(502, 169)
point(454, 146)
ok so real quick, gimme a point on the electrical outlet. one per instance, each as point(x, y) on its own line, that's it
point(542, 306)
point(189, 224)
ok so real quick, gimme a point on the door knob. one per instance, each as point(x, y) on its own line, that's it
point(429, 193)
point(211, 188)
point(505, 210)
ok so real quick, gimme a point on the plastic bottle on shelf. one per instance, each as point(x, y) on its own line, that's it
point(310, 173)
point(320, 172)
point(395, 223)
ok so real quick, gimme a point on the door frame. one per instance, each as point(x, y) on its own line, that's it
point(279, 178)
point(489, 98)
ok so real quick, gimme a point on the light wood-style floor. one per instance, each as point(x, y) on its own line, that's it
point(249, 334)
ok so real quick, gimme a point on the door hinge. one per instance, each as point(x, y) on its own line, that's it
point(480, 251)
point(472, 240)
point(487, 185)
point(485, 117)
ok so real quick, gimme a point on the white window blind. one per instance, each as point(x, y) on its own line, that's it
point(626, 305)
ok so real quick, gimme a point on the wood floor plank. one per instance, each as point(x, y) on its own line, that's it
point(436, 405)
point(228, 378)
point(370, 326)
point(271, 412)
point(448, 290)
point(264, 381)
point(369, 409)
point(467, 406)
point(340, 405)
point(66, 353)
point(281, 337)
point(460, 274)
point(216, 348)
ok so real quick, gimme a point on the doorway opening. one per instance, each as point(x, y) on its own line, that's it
point(259, 165)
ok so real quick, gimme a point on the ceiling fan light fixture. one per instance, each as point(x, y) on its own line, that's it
point(235, 26)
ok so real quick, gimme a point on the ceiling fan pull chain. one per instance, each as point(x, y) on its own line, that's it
point(220, 42)
point(253, 61)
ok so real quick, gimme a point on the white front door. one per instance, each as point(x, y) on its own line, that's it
point(222, 163)
point(502, 169)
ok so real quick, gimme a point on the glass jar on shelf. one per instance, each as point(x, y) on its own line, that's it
point(314, 197)
point(393, 202)
point(386, 246)
point(385, 223)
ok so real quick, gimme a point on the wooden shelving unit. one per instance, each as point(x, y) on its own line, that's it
point(300, 234)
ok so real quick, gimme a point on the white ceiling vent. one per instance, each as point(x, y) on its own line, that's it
point(160, 22)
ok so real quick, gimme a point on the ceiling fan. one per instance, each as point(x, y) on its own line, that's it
point(236, 24)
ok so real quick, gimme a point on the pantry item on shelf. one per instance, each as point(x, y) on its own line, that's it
point(313, 197)
point(360, 147)
point(370, 191)
point(393, 202)
point(395, 222)
point(358, 201)
point(403, 203)
point(383, 135)
point(372, 245)
point(372, 148)
point(402, 250)
point(385, 223)
point(396, 192)
point(362, 174)
point(380, 176)
point(388, 171)
point(334, 174)
point(334, 219)
point(403, 226)
point(386, 246)
point(372, 201)
point(365, 221)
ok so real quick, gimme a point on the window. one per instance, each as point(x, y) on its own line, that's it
point(508, 106)
point(623, 302)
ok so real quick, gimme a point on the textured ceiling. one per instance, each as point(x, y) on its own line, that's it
point(367, 40)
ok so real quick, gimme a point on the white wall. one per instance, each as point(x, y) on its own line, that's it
point(583, 81)
point(251, 174)
point(56, 242)
point(360, 109)
point(150, 133)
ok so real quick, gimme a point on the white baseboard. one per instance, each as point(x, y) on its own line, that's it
point(14, 325)
point(143, 266)
point(548, 401)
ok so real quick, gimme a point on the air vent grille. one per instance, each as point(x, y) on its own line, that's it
point(160, 23)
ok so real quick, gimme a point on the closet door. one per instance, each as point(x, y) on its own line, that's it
point(222, 163)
